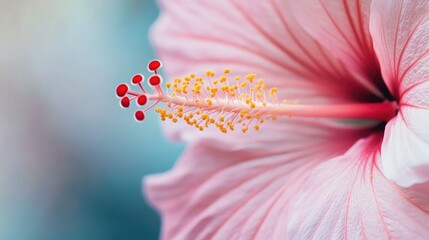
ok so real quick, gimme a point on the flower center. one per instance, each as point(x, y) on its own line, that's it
point(230, 103)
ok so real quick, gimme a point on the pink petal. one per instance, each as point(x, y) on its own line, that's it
point(240, 191)
point(262, 38)
point(342, 27)
point(401, 39)
point(405, 150)
point(349, 198)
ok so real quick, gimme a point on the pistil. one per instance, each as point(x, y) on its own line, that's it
point(226, 104)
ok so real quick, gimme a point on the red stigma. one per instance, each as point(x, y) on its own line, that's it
point(125, 102)
point(154, 65)
point(154, 80)
point(139, 115)
point(122, 90)
point(142, 100)
point(138, 78)
point(143, 97)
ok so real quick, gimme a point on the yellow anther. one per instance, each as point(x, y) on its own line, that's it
point(222, 79)
point(203, 103)
point(210, 73)
point(242, 112)
point(250, 77)
point(273, 91)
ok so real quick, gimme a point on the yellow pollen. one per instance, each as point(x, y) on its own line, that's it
point(203, 101)
point(250, 77)
point(273, 92)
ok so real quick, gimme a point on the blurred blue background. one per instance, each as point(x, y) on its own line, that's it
point(72, 160)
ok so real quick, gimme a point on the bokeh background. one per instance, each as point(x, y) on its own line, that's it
point(71, 160)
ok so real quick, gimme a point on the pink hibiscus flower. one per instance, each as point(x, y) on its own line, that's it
point(303, 178)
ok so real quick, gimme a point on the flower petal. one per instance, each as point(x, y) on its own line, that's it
point(342, 27)
point(401, 40)
point(262, 38)
point(219, 191)
point(405, 150)
point(403, 50)
point(349, 197)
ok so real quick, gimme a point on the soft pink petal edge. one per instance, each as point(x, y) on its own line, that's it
point(348, 197)
point(215, 188)
point(400, 30)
